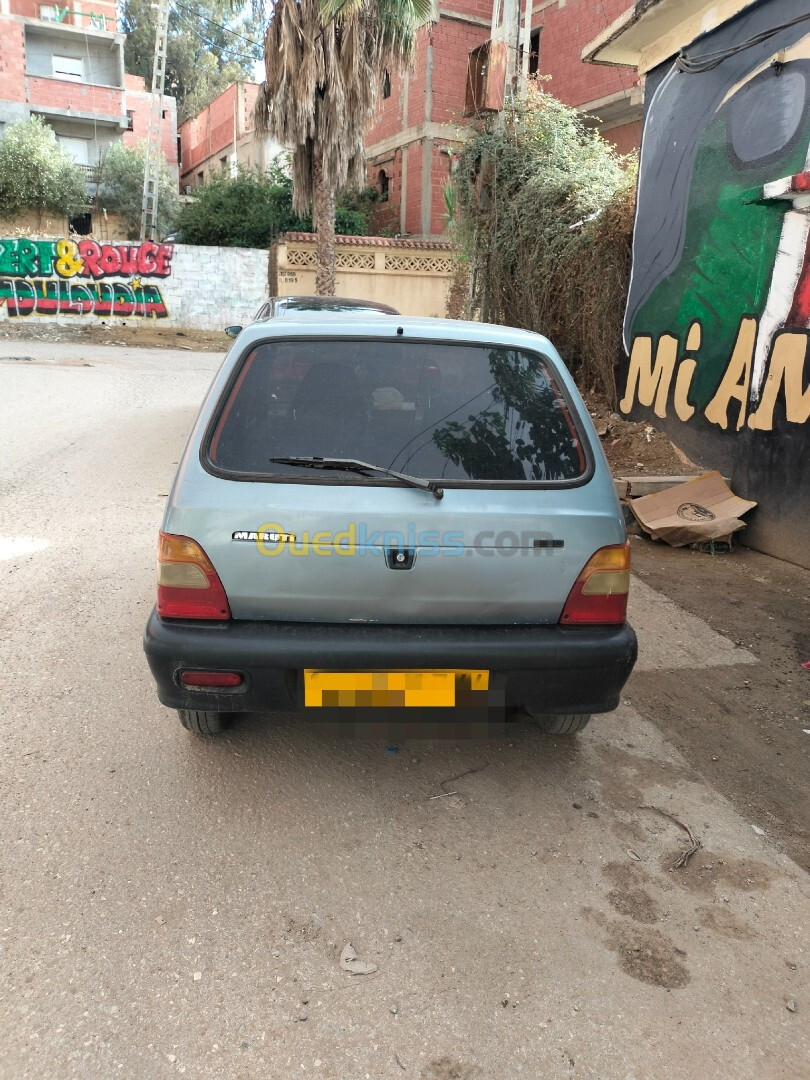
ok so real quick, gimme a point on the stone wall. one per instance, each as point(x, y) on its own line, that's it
point(72, 279)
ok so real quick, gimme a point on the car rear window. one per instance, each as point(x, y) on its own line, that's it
point(436, 411)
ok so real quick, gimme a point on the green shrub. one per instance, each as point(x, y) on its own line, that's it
point(252, 208)
point(36, 173)
point(120, 188)
point(544, 213)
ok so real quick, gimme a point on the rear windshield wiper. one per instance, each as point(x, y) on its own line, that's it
point(352, 465)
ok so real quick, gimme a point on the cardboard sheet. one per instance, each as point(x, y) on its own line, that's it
point(701, 509)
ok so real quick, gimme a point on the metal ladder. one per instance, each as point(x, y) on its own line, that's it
point(151, 165)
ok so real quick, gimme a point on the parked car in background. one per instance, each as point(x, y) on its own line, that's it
point(383, 511)
point(276, 306)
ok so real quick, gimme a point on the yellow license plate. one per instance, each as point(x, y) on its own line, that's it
point(394, 689)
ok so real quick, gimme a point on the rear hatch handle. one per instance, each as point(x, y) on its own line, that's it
point(352, 465)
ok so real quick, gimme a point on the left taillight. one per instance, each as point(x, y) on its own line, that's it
point(188, 585)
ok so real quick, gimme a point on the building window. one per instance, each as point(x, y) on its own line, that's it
point(70, 68)
point(130, 120)
point(200, 177)
point(223, 163)
point(165, 114)
point(386, 85)
point(77, 147)
point(81, 224)
point(534, 52)
point(382, 185)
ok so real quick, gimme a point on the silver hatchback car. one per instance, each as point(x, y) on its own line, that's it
point(379, 512)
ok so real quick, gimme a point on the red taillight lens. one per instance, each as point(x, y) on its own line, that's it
point(205, 679)
point(600, 592)
point(188, 585)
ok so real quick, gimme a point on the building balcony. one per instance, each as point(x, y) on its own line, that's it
point(75, 71)
point(103, 105)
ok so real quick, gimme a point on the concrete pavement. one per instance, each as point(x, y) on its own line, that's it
point(176, 906)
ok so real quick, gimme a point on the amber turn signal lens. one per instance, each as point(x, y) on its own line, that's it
point(188, 585)
point(600, 592)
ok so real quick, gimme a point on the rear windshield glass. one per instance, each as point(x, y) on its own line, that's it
point(330, 304)
point(451, 412)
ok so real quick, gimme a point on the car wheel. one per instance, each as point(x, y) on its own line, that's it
point(201, 722)
point(562, 723)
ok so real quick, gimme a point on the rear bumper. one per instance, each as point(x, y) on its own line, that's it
point(551, 669)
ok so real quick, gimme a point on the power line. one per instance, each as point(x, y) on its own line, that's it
point(220, 26)
point(212, 46)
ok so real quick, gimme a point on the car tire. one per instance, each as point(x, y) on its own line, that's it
point(201, 722)
point(562, 723)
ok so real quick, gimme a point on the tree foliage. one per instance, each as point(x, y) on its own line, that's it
point(120, 188)
point(36, 173)
point(324, 63)
point(202, 58)
point(544, 215)
point(251, 209)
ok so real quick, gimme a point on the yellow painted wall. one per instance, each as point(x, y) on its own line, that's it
point(412, 277)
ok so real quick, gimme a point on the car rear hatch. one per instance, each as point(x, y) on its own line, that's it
point(527, 498)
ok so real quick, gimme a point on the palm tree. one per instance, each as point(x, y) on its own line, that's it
point(324, 62)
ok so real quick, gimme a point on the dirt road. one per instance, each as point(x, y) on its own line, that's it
point(173, 906)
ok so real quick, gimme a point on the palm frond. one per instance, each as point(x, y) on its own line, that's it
point(324, 61)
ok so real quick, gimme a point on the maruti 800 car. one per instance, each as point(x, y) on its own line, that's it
point(379, 510)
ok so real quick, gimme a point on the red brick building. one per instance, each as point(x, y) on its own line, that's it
point(422, 115)
point(66, 64)
point(222, 137)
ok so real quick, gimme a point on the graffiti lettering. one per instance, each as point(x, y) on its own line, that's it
point(103, 299)
point(67, 263)
point(85, 258)
point(72, 277)
point(650, 378)
point(785, 372)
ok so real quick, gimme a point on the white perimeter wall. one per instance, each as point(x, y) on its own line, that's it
point(211, 287)
point(207, 287)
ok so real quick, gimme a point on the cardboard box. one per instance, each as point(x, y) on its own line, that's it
point(701, 509)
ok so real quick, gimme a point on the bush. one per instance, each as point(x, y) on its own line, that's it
point(36, 173)
point(251, 209)
point(544, 214)
point(120, 188)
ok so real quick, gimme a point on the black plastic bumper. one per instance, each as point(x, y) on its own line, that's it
point(553, 669)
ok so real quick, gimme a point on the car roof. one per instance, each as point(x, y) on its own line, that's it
point(287, 304)
point(365, 324)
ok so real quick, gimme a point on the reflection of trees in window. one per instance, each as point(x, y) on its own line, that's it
point(524, 434)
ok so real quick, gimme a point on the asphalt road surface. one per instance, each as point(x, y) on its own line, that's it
point(176, 906)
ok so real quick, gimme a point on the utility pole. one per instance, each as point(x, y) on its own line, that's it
point(526, 44)
point(505, 45)
point(151, 170)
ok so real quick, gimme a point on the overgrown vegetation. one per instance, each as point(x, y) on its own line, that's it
point(37, 174)
point(120, 188)
point(544, 214)
point(252, 208)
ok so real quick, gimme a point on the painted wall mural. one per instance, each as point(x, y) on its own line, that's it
point(72, 277)
point(717, 328)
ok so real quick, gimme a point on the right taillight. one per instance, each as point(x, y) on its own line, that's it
point(600, 592)
point(188, 585)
